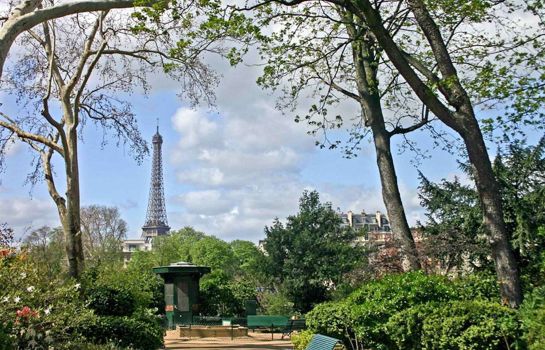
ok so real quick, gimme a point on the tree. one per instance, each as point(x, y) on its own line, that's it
point(440, 54)
point(103, 231)
point(453, 233)
point(45, 249)
point(215, 253)
point(322, 50)
point(176, 246)
point(82, 63)
point(28, 14)
point(454, 212)
point(250, 261)
point(311, 252)
point(455, 108)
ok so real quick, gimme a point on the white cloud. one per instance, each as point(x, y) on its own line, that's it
point(23, 214)
point(242, 166)
point(243, 212)
point(196, 128)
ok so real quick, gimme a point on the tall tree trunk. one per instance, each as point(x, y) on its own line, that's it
point(488, 189)
point(366, 79)
point(391, 195)
point(72, 226)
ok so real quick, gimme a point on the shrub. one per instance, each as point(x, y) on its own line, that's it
point(108, 301)
point(476, 325)
point(481, 285)
point(532, 314)
point(140, 332)
point(5, 338)
point(405, 327)
point(141, 283)
point(36, 312)
point(335, 319)
point(300, 340)
point(392, 312)
point(374, 303)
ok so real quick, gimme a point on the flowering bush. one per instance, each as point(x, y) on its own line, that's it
point(36, 313)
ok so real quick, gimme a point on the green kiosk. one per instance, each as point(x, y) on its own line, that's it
point(181, 290)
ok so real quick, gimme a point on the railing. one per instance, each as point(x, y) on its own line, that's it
point(206, 321)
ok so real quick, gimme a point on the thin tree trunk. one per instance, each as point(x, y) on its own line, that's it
point(391, 195)
point(366, 79)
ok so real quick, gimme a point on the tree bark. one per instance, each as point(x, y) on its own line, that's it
point(72, 220)
point(391, 195)
point(489, 195)
point(366, 79)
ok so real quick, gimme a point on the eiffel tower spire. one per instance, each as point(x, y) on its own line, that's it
point(156, 218)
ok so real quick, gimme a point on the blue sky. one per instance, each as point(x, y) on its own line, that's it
point(228, 171)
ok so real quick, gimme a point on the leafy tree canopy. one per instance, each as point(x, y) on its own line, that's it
point(311, 252)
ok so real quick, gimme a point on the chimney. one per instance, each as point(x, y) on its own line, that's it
point(349, 216)
point(379, 219)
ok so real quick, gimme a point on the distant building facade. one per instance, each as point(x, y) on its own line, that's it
point(377, 226)
point(156, 223)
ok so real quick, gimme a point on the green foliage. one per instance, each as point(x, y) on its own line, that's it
point(470, 325)
point(311, 252)
point(222, 296)
point(215, 253)
point(126, 302)
point(394, 312)
point(250, 260)
point(142, 331)
point(459, 324)
point(45, 248)
point(108, 301)
point(455, 228)
point(301, 339)
point(404, 328)
point(202, 26)
point(336, 319)
point(137, 281)
point(532, 314)
point(175, 247)
point(481, 286)
point(276, 304)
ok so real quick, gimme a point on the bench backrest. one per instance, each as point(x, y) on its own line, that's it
point(267, 320)
point(322, 342)
point(297, 324)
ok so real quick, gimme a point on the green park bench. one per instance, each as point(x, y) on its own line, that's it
point(267, 321)
point(294, 325)
point(322, 342)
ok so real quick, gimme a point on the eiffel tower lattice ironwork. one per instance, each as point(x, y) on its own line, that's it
point(156, 218)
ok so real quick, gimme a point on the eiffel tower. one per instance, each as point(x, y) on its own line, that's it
point(156, 218)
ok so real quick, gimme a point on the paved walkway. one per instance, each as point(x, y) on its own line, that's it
point(255, 341)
